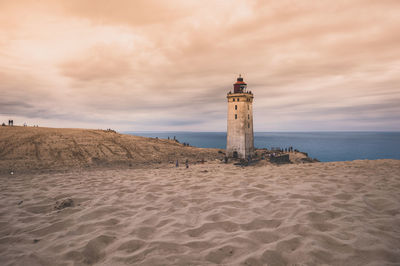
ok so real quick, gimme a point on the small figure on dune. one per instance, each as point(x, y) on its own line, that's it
point(177, 163)
point(187, 163)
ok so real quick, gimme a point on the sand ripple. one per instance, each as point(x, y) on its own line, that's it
point(327, 213)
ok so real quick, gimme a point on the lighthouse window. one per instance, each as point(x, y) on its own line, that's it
point(237, 99)
point(248, 107)
point(248, 116)
point(235, 107)
point(235, 116)
point(248, 125)
point(233, 99)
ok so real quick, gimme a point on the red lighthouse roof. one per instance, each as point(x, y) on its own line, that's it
point(239, 85)
point(240, 80)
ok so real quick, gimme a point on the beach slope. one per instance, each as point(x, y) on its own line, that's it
point(24, 149)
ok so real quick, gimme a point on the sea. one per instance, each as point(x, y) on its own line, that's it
point(324, 146)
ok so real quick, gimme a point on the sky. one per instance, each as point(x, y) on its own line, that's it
point(148, 65)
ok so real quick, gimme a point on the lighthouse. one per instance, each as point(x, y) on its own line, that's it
point(240, 137)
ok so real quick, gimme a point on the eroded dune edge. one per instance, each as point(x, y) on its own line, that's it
point(341, 213)
point(30, 149)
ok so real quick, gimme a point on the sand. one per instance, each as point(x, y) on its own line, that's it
point(340, 213)
point(40, 149)
point(44, 150)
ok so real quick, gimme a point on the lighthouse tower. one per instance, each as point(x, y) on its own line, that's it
point(240, 137)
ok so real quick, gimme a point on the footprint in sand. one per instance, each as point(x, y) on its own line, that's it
point(220, 254)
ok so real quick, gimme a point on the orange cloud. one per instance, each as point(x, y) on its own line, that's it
point(312, 65)
point(98, 63)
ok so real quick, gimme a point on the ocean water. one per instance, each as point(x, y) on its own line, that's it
point(324, 146)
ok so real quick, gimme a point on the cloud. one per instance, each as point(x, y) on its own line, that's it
point(162, 65)
point(136, 13)
point(98, 63)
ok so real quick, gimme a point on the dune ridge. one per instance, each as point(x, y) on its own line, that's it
point(38, 148)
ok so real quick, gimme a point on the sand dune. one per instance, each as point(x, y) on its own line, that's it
point(341, 213)
point(27, 149)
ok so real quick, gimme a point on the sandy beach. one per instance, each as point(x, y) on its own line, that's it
point(41, 149)
point(339, 213)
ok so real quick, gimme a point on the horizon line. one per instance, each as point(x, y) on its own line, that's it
point(311, 131)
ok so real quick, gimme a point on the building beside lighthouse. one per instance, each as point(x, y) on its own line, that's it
point(240, 137)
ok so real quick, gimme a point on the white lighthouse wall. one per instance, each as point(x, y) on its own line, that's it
point(249, 131)
point(240, 130)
